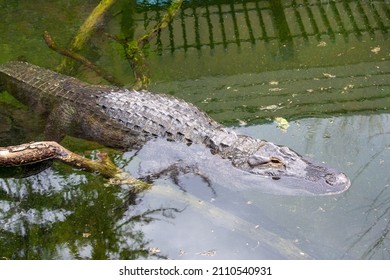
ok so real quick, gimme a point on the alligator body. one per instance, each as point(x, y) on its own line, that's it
point(126, 119)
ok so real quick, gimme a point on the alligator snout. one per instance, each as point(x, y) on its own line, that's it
point(339, 179)
point(295, 171)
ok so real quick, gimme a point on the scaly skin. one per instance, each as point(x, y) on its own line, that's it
point(126, 119)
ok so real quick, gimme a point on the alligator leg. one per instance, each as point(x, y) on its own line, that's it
point(174, 171)
point(62, 120)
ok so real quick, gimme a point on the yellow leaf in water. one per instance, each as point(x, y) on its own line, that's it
point(376, 50)
point(281, 123)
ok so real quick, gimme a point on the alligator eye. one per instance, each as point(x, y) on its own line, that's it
point(275, 160)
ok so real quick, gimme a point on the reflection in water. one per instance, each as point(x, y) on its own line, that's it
point(375, 233)
point(50, 216)
point(368, 158)
point(211, 23)
point(234, 37)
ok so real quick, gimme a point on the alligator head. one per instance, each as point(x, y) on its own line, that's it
point(296, 172)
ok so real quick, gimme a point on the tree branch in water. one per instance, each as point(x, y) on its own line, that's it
point(133, 49)
point(85, 32)
point(36, 152)
point(87, 63)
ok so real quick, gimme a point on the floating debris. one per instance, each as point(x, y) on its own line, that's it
point(347, 88)
point(181, 252)
point(321, 44)
point(271, 107)
point(209, 253)
point(376, 50)
point(275, 89)
point(207, 100)
point(326, 89)
point(242, 122)
point(328, 75)
point(154, 250)
point(282, 123)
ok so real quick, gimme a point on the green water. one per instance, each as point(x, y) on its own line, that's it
point(322, 65)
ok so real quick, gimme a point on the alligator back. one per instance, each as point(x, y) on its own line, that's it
point(115, 117)
point(41, 88)
point(162, 115)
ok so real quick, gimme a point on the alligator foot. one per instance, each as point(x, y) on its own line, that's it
point(174, 172)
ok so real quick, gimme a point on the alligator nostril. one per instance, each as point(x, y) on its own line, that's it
point(339, 179)
point(330, 179)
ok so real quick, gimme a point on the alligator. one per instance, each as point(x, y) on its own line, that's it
point(127, 119)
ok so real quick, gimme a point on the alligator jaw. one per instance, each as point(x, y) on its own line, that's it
point(296, 172)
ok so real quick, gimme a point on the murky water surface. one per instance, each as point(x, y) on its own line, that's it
point(321, 65)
